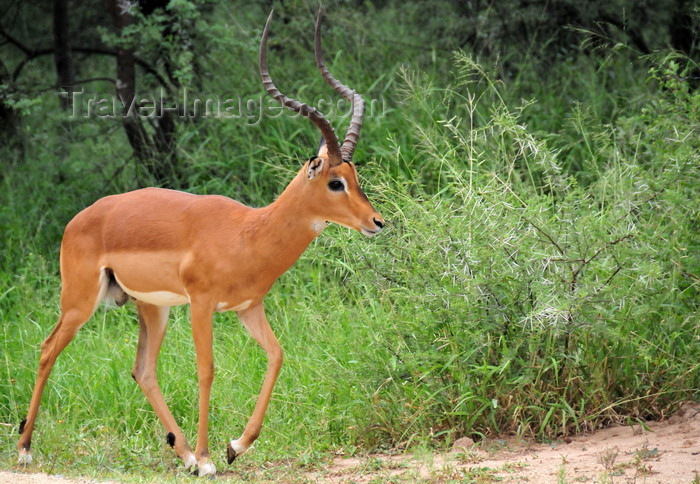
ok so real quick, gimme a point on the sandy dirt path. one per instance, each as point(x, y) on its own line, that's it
point(666, 452)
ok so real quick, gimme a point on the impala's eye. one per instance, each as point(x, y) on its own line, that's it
point(336, 185)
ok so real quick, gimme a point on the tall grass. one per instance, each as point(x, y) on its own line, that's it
point(523, 301)
point(538, 274)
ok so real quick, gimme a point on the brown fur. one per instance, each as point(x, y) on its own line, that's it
point(207, 249)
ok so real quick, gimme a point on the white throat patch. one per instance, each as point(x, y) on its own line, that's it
point(318, 226)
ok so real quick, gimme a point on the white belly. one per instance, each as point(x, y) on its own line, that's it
point(157, 298)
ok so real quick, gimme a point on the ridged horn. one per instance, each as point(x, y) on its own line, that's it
point(358, 104)
point(334, 151)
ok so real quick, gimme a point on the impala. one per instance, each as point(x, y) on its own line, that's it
point(163, 248)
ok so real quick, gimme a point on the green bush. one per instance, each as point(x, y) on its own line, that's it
point(513, 298)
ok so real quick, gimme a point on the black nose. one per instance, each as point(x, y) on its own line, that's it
point(378, 223)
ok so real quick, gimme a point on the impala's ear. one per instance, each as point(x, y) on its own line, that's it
point(314, 167)
point(322, 148)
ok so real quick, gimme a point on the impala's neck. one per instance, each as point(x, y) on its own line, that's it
point(288, 226)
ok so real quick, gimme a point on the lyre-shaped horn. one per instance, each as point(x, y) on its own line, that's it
point(358, 104)
point(334, 152)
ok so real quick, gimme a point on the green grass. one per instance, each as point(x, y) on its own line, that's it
point(538, 274)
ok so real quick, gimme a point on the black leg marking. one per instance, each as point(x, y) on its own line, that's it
point(171, 439)
point(21, 425)
point(231, 454)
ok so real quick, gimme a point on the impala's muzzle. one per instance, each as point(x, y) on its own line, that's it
point(378, 226)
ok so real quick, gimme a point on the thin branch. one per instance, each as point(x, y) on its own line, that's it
point(9, 7)
point(140, 62)
point(614, 242)
point(585, 262)
point(549, 237)
point(16, 42)
point(607, 281)
point(32, 54)
point(30, 57)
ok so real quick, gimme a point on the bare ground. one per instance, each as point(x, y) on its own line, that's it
point(659, 452)
point(664, 452)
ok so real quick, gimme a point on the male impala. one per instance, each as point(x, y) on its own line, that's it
point(164, 248)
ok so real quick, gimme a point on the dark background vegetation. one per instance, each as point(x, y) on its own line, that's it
point(536, 161)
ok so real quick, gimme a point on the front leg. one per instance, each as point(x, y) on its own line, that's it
point(201, 314)
point(256, 323)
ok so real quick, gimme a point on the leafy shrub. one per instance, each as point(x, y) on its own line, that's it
point(515, 299)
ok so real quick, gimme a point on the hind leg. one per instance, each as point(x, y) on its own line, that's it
point(153, 321)
point(79, 298)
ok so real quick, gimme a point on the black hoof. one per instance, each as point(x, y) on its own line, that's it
point(231, 454)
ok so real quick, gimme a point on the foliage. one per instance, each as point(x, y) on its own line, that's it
point(522, 301)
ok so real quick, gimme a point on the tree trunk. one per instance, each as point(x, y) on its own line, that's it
point(63, 55)
point(155, 153)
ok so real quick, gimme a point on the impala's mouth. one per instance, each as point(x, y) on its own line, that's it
point(370, 233)
point(379, 224)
